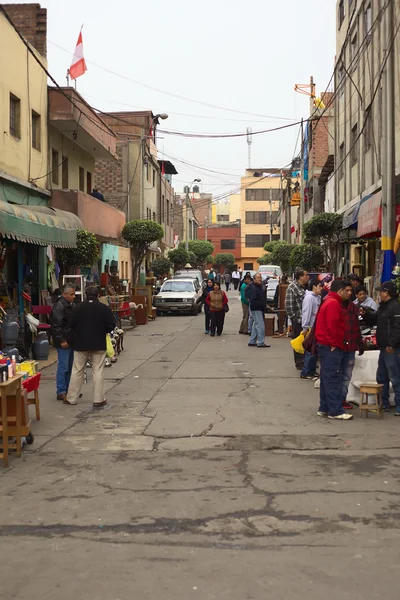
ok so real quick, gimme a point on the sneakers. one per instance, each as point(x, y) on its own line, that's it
point(207, 331)
point(307, 377)
point(263, 346)
point(347, 406)
point(61, 396)
point(343, 417)
point(320, 413)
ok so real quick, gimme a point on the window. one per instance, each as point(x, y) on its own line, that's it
point(263, 194)
point(35, 130)
point(64, 173)
point(81, 179)
point(168, 212)
point(223, 218)
point(228, 244)
point(55, 164)
point(368, 129)
point(256, 217)
point(354, 145)
point(15, 116)
point(341, 80)
point(342, 13)
point(248, 266)
point(353, 49)
point(154, 216)
point(154, 177)
point(341, 160)
point(88, 182)
point(256, 241)
point(368, 20)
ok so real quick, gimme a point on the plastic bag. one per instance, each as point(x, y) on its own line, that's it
point(109, 347)
point(297, 343)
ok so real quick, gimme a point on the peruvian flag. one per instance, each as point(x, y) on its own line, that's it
point(162, 168)
point(292, 229)
point(78, 65)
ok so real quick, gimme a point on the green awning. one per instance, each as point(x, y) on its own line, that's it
point(39, 225)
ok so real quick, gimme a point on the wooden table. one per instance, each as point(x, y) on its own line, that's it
point(11, 426)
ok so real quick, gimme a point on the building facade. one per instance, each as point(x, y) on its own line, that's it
point(226, 238)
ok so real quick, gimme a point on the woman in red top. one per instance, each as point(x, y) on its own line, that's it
point(217, 300)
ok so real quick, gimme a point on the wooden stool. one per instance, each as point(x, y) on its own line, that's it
point(10, 426)
point(371, 389)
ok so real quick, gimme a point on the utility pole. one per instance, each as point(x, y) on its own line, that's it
point(288, 217)
point(142, 143)
point(388, 179)
point(270, 214)
point(187, 204)
point(249, 132)
point(302, 183)
point(205, 228)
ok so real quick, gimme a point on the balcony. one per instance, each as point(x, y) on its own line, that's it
point(76, 120)
point(105, 221)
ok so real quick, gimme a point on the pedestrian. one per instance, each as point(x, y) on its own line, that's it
point(247, 274)
point(331, 343)
point(218, 278)
point(217, 301)
point(240, 273)
point(258, 306)
point(311, 304)
point(364, 301)
point(235, 278)
point(91, 321)
point(61, 334)
point(244, 325)
point(352, 334)
point(356, 283)
point(209, 288)
point(294, 305)
point(211, 274)
point(387, 320)
point(227, 278)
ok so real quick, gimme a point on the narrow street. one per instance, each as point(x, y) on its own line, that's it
point(208, 475)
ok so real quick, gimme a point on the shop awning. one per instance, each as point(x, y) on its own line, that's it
point(350, 216)
point(370, 214)
point(39, 225)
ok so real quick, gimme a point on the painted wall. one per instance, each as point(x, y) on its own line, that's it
point(77, 157)
point(17, 157)
point(125, 263)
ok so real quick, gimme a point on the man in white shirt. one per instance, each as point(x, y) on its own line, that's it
point(235, 279)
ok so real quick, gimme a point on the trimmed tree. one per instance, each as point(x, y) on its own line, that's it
point(266, 259)
point(225, 260)
point(306, 256)
point(269, 246)
point(179, 257)
point(324, 229)
point(140, 234)
point(281, 255)
point(85, 254)
point(161, 266)
point(202, 250)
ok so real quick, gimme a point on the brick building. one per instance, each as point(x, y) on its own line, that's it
point(226, 238)
point(31, 21)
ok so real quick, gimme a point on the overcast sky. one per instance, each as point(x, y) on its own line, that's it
point(239, 55)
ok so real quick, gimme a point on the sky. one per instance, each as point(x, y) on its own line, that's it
point(243, 57)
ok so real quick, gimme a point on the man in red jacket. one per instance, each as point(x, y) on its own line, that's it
point(330, 335)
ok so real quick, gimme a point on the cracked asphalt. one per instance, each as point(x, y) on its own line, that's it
point(207, 476)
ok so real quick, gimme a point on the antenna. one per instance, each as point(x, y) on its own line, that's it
point(249, 132)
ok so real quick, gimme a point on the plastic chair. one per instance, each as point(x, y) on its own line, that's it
point(32, 385)
point(42, 310)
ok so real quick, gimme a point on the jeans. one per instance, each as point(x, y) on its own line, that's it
point(244, 325)
point(296, 331)
point(310, 364)
point(389, 371)
point(250, 321)
point(64, 368)
point(217, 322)
point(331, 380)
point(207, 317)
point(97, 360)
point(346, 370)
point(235, 283)
point(258, 329)
point(227, 285)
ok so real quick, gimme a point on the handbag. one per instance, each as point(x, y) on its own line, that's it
point(310, 342)
point(226, 308)
point(110, 352)
point(297, 343)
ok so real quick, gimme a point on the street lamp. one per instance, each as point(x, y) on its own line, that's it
point(187, 212)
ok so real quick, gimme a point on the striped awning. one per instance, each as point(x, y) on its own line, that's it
point(40, 225)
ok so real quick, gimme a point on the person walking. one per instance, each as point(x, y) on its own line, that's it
point(258, 306)
point(244, 325)
point(227, 278)
point(218, 278)
point(352, 335)
point(207, 315)
point(90, 322)
point(235, 278)
point(311, 304)
point(387, 320)
point(217, 300)
point(61, 333)
point(211, 275)
point(331, 343)
point(294, 305)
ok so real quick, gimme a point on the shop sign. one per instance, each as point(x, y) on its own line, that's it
point(370, 215)
point(295, 199)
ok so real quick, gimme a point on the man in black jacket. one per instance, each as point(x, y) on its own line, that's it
point(61, 331)
point(90, 323)
point(258, 305)
point(387, 320)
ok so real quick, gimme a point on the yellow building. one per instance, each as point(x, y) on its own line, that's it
point(256, 206)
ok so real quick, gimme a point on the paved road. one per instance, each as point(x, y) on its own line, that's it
point(208, 476)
